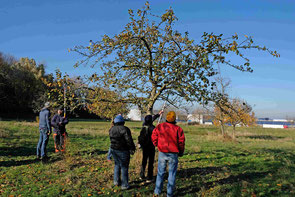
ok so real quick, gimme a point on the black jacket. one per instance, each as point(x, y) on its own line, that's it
point(144, 139)
point(59, 127)
point(121, 138)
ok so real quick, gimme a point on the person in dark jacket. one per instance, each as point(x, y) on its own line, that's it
point(147, 146)
point(122, 146)
point(45, 131)
point(59, 128)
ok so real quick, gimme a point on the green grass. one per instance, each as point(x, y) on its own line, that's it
point(260, 162)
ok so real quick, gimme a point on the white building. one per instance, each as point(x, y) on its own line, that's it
point(195, 118)
point(134, 114)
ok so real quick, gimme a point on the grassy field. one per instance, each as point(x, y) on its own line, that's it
point(260, 162)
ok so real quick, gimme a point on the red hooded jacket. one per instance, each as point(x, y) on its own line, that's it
point(169, 138)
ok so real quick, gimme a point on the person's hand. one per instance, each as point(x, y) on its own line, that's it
point(138, 145)
point(161, 112)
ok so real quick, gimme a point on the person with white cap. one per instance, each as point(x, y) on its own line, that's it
point(122, 146)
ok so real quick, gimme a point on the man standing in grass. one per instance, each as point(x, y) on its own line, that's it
point(170, 140)
point(148, 148)
point(45, 131)
point(122, 146)
point(59, 128)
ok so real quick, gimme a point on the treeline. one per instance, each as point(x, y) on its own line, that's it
point(22, 91)
point(25, 87)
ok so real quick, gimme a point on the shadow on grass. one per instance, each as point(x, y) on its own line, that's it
point(20, 151)
point(281, 155)
point(18, 163)
point(262, 137)
point(195, 187)
point(93, 152)
point(249, 171)
point(189, 172)
point(85, 137)
point(26, 162)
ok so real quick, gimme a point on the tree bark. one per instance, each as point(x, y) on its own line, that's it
point(150, 108)
point(234, 130)
point(222, 128)
point(222, 125)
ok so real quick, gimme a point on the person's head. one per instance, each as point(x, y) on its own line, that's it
point(171, 117)
point(148, 120)
point(119, 120)
point(47, 105)
point(60, 110)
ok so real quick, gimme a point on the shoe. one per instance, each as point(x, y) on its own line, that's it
point(44, 158)
point(141, 178)
point(117, 184)
point(124, 187)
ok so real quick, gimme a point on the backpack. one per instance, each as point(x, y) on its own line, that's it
point(144, 139)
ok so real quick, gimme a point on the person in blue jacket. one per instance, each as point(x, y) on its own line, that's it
point(58, 123)
point(45, 131)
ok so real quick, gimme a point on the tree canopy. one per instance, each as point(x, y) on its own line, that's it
point(234, 112)
point(76, 95)
point(150, 59)
point(21, 86)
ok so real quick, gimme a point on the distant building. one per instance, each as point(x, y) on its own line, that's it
point(134, 114)
point(280, 120)
point(274, 123)
point(195, 118)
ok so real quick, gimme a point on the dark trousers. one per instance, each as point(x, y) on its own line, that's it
point(59, 141)
point(147, 154)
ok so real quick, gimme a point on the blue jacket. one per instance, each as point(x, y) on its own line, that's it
point(44, 122)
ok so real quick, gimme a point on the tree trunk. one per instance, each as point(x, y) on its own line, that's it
point(234, 130)
point(222, 125)
point(222, 128)
point(149, 110)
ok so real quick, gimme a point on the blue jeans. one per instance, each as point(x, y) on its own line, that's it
point(43, 140)
point(122, 160)
point(172, 160)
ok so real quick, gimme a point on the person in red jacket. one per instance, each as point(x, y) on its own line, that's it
point(170, 140)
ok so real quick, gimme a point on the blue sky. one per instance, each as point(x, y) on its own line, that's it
point(44, 30)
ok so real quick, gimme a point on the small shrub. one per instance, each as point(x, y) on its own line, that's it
point(4, 133)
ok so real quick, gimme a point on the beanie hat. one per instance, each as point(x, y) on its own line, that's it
point(119, 119)
point(171, 116)
point(148, 120)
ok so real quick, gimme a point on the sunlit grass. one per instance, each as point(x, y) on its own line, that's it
point(259, 162)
